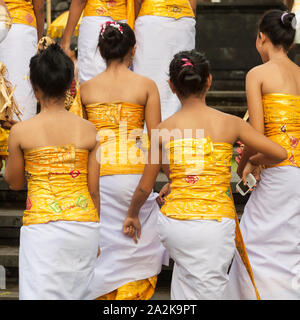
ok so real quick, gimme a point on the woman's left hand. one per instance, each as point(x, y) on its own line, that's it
point(132, 228)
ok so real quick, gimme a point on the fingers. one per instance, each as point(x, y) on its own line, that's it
point(132, 232)
point(160, 200)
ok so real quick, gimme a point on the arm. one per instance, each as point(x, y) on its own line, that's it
point(131, 226)
point(38, 8)
point(269, 152)
point(15, 167)
point(152, 108)
point(93, 176)
point(75, 12)
point(193, 5)
point(256, 112)
point(137, 7)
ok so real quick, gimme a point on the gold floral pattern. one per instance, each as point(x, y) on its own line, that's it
point(135, 290)
point(282, 124)
point(57, 185)
point(167, 8)
point(200, 180)
point(117, 9)
point(21, 11)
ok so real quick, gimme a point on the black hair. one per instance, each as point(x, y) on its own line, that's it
point(280, 27)
point(116, 41)
point(52, 71)
point(189, 71)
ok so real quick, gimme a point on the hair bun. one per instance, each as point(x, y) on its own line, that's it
point(112, 35)
point(289, 20)
point(189, 77)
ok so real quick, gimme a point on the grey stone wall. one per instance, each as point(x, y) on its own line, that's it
point(226, 32)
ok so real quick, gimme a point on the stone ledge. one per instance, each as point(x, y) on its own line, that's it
point(11, 218)
point(9, 256)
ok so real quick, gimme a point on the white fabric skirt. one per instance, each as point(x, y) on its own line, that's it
point(90, 62)
point(271, 230)
point(16, 50)
point(121, 260)
point(202, 251)
point(158, 40)
point(57, 260)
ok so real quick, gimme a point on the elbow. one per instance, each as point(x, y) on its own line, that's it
point(95, 194)
point(14, 185)
point(284, 155)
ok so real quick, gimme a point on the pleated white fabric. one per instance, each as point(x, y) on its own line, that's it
point(57, 260)
point(90, 62)
point(121, 260)
point(158, 40)
point(202, 251)
point(271, 230)
point(16, 51)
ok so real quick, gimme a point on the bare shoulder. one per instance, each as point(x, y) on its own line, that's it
point(145, 81)
point(85, 124)
point(23, 126)
point(257, 72)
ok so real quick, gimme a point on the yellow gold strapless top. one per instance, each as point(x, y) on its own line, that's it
point(57, 185)
point(120, 128)
point(200, 171)
point(21, 11)
point(167, 8)
point(282, 124)
point(116, 9)
point(4, 142)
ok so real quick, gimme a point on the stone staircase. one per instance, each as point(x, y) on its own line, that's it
point(12, 205)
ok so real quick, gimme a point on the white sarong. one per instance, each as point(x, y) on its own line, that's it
point(202, 251)
point(90, 62)
point(121, 260)
point(158, 40)
point(57, 260)
point(271, 230)
point(16, 50)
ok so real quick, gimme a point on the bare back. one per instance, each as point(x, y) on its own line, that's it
point(56, 129)
point(119, 84)
point(219, 126)
point(122, 85)
point(280, 76)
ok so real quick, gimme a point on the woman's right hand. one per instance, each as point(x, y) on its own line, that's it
point(132, 228)
point(66, 47)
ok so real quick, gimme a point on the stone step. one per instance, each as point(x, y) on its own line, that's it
point(10, 217)
point(226, 98)
point(9, 256)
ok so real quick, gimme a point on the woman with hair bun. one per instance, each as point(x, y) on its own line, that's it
point(197, 221)
point(55, 153)
point(95, 13)
point(271, 219)
point(118, 102)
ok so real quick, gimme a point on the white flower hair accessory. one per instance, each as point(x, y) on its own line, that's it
point(110, 24)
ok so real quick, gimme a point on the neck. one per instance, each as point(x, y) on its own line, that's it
point(53, 105)
point(276, 53)
point(117, 65)
point(193, 101)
